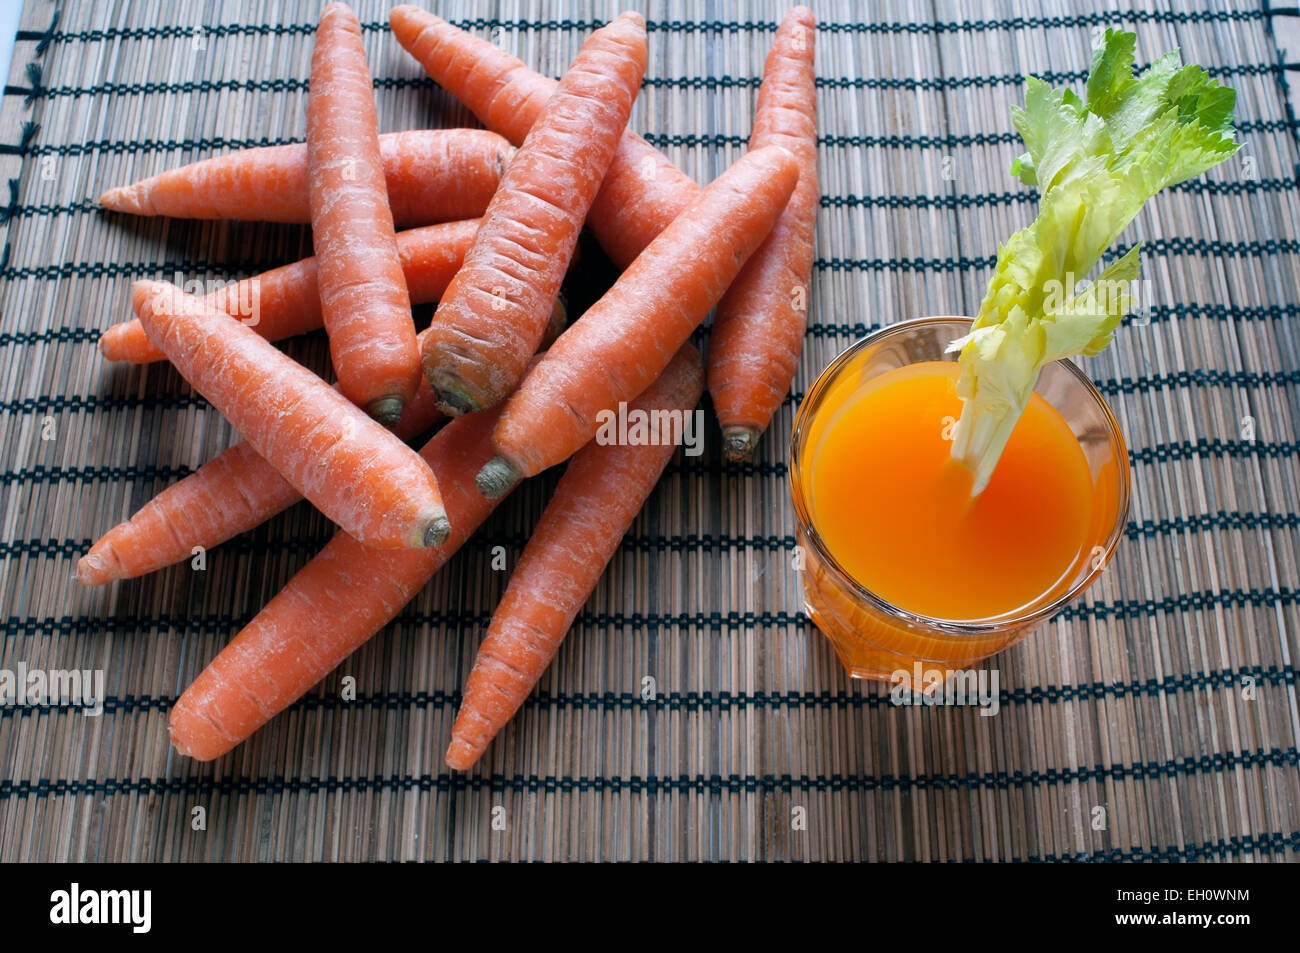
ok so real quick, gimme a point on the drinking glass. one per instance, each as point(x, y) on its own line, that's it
point(878, 640)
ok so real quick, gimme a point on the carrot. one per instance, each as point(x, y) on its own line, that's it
point(625, 339)
point(494, 312)
point(342, 597)
point(364, 301)
point(433, 175)
point(642, 191)
point(759, 326)
point(232, 493)
point(595, 502)
point(354, 471)
point(285, 302)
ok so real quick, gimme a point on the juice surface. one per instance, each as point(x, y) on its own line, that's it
point(896, 513)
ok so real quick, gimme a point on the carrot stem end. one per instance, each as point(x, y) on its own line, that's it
point(437, 531)
point(496, 478)
point(454, 401)
point(386, 410)
point(738, 442)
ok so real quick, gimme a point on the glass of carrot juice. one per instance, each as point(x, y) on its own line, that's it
point(901, 566)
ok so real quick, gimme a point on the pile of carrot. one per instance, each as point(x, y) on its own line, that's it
point(491, 222)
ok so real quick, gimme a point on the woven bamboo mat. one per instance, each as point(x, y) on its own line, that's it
point(1155, 719)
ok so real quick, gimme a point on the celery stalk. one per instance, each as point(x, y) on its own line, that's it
point(1095, 163)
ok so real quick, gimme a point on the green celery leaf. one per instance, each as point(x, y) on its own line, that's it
point(1096, 162)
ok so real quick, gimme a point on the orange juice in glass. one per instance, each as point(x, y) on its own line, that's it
point(901, 564)
point(942, 514)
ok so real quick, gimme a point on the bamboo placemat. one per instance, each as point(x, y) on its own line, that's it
point(1155, 719)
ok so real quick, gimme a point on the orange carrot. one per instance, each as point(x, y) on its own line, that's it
point(623, 341)
point(495, 311)
point(364, 301)
point(759, 326)
point(433, 175)
point(342, 597)
point(284, 302)
point(354, 471)
point(595, 502)
point(642, 191)
point(232, 493)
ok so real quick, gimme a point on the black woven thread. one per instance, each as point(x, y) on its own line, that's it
point(43, 38)
point(1014, 24)
point(1156, 314)
point(288, 84)
point(659, 139)
point(50, 336)
point(1030, 196)
point(704, 784)
point(7, 212)
point(70, 208)
point(1284, 87)
point(29, 130)
point(1220, 521)
point(48, 37)
point(28, 134)
point(43, 474)
point(1161, 247)
point(950, 202)
point(907, 141)
point(92, 403)
point(1175, 245)
point(95, 403)
point(893, 202)
point(1183, 603)
point(33, 90)
point(926, 83)
point(1272, 843)
point(1201, 448)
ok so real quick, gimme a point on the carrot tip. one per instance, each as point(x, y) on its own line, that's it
point(436, 533)
point(122, 198)
point(496, 478)
point(737, 442)
point(460, 755)
point(386, 410)
point(91, 572)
